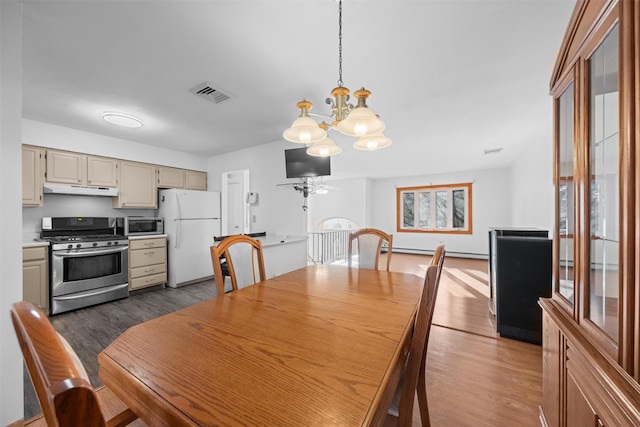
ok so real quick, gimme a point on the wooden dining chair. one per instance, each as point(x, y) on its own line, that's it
point(414, 375)
point(244, 262)
point(60, 381)
point(367, 244)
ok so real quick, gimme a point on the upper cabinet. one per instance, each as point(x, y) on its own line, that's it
point(170, 177)
point(67, 167)
point(591, 357)
point(32, 175)
point(195, 180)
point(137, 186)
point(102, 171)
point(137, 183)
point(181, 178)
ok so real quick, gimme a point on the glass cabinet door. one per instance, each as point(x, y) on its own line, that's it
point(603, 194)
point(565, 189)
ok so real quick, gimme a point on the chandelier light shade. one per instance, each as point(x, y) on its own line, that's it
point(326, 147)
point(304, 129)
point(361, 121)
point(372, 142)
point(358, 121)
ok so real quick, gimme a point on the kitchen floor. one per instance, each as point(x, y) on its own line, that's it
point(91, 329)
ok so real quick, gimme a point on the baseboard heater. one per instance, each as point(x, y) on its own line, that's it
point(449, 253)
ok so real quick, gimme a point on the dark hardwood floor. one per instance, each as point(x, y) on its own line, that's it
point(474, 377)
point(91, 329)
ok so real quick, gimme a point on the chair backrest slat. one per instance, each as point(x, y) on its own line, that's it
point(418, 352)
point(367, 244)
point(66, 398)
point(244, 258)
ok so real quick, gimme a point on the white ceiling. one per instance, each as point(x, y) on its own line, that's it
point(449, 78)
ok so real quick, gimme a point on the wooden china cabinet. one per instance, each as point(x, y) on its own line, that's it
point(591, 324)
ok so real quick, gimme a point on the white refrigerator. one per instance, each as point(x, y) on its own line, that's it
point(191, 220)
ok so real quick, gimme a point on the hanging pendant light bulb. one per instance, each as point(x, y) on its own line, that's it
point(325, 148)
point(361, 121)
point(304, 129)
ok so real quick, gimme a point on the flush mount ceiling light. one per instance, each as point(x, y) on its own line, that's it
point(121, 119)
point(358, 120)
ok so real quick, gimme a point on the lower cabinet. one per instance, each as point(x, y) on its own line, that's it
point(35, 277)
point(582, 386)
point(147, 262)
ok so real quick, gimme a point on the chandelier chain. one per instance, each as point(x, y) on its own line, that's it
point(340, 43)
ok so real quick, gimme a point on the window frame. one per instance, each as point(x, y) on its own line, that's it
point(449, 188)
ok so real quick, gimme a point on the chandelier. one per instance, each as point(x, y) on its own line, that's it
point(358, 121)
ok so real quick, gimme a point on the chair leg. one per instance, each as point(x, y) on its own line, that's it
point(422, 393)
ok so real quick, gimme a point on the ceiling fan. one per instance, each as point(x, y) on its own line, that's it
point(310, 185)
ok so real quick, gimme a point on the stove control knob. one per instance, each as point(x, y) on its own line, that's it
point(69, 246)
point(108, 243)
point(78, 246)
point(95, 244)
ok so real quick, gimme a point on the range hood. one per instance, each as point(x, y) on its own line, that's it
point(81, 190)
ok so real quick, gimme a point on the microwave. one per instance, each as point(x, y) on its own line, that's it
point(139, 225)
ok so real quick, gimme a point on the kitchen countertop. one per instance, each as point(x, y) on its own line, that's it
point(148, 236)
point(34, 243)
point(32, 240)
point(275, 239)
point(279, 240)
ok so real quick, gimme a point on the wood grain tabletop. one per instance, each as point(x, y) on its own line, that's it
point(322, 345)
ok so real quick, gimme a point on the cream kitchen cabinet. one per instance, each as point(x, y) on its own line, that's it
point(35, 276)
point(147, 262)
point(137, 186)
point(195, 180)
point(170, 177)
point(67, 167)
point(32, 175)
point(181, 178)
point(102, 171)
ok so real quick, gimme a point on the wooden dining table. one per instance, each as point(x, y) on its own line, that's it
point(322, 345)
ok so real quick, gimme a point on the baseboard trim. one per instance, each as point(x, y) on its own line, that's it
point(449, 253)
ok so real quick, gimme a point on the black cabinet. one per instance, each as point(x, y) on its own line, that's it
point(520, 268)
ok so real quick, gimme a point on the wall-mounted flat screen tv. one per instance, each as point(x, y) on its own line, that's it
point(299, 164)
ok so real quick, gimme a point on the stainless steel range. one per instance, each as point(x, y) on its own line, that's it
point(89, 261)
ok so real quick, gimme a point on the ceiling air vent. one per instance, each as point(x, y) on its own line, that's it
point(208, 92)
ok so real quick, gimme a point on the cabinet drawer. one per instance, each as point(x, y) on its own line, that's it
point(147, 244)
point(38, 253)
point(141, 258)
point(147, 270)
point(145, 281)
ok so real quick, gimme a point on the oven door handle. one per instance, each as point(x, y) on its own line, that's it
point(90, 251)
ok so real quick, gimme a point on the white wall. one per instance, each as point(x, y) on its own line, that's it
point(531, 177)
point(11, 385)
point(52, 136)
point(372, 203)
point(349, 199)
point(279, 208)
point(491, 198)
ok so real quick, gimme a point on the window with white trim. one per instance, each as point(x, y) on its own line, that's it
point(434, 209)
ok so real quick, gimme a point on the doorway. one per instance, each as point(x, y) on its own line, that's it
point(235, 209)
